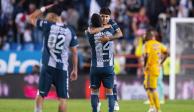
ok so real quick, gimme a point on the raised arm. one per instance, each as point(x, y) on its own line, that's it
point(35, 15)
point(93, 30)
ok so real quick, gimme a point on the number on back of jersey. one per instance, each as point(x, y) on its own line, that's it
point(56, 42)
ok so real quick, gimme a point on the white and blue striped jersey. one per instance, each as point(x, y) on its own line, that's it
point(57, 40)
point(102, 53)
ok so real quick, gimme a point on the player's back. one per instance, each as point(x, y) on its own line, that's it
point(154, 50)
point(57, 40)
point(102, 53)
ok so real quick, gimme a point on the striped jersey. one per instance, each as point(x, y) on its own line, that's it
point(102, 53)
point(57, 40)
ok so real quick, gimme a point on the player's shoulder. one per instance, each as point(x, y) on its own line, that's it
point(44, 21)
point(160, 43)
point(43, 24)
point(149, 42)
point(71, 28)
point(153, 42)
point(147, 45)
point(112, 22)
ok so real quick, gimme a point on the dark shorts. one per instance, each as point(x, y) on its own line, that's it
point(101, 74)
point(57, 77)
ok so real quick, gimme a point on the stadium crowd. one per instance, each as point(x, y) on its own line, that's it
point(133, 17)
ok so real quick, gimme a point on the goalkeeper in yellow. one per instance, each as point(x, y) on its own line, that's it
point(154, 55)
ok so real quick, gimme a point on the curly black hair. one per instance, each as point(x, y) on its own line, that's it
point(96, 20)
point(150, 33)
point(105, 10)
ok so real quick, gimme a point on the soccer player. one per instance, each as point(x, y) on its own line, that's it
point(160, 88)
point(107, 23)
point(154, 51)
point(58, 39)
point(102, 66)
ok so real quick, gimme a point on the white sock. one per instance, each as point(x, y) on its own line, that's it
point(37, 109)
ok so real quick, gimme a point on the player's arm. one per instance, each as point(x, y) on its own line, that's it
point(73, 47)
point(145, 60)
point(118, 34)
point(165, 53)
point(93, 30)
point(35, 15)
point(134, 25)
point(145, 54)
point(74, 58)
point(74, 62)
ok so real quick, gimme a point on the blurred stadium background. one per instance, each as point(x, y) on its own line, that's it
point(20, 52)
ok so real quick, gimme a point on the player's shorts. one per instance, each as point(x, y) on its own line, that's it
point(57, 77)
point(150, 81)
point(102, 74)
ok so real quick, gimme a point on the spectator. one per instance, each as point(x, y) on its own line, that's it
point(119, 14)
point(18, 7)
point(133, 5)
point(9, 38)
point(27, 34)
point(31, 8)
point(184, 7)
point(7, 7)
point(20, 25)
point(73, 17)
point(154, 8)
point(140, 21)
point(172, 8)
point(3, 28)
point(164, 27)
point(64, 17)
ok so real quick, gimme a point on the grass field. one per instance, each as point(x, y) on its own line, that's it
point(18, 105)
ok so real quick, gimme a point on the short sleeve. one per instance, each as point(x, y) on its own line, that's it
point(74, 41)
point(42, 24)
point(114, 25)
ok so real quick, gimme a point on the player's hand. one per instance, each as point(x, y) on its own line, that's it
point(106, 26)
point(73, 75)
point(104, 39)
point(43, 9)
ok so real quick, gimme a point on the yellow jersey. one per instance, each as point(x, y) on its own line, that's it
point(154, 50)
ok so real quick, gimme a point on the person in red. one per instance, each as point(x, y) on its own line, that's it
point(140, 20)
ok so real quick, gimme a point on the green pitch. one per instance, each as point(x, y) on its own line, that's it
point(18, 105)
